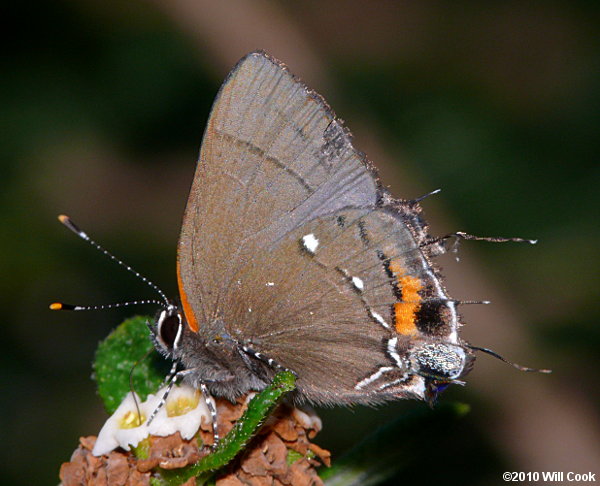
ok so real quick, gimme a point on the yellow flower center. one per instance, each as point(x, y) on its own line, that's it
point(182, 404)
point(131, 420)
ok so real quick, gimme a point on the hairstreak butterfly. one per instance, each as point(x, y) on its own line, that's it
point(292, 255)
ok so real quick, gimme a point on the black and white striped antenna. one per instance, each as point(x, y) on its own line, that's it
point(164, 302)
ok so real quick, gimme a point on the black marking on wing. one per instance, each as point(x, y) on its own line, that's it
point(362, 230)
point(429, 317)
point(250, 147)
point(386, 265)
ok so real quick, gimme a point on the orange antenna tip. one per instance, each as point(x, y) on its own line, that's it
point(63, 306)
point(68, 222)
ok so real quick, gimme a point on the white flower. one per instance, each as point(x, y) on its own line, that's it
point(126, 427)
point(308, 418)
point(182, 412)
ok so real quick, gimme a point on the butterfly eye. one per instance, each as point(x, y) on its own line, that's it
point(169, 326)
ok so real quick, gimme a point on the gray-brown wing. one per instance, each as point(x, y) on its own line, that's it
point(286, 241)
point(329, 299)
point(273, 157)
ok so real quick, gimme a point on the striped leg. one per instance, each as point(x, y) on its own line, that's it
point(261, 357)
point(212, 408)
point(208, 399)
point(170, 381)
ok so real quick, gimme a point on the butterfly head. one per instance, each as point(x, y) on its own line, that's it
point(167, 330)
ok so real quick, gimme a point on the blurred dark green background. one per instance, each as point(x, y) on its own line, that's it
point(103, 106)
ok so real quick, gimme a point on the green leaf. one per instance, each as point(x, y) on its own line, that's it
point(124, 350)
point(293, 456)
point(258, 410)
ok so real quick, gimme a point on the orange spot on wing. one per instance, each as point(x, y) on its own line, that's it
point(187, 308)
point(404, 312)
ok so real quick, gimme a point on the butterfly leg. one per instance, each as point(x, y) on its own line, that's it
point(171, 374)
point(210, 404)
point(247, 351)
point(172, 378)
point(170, 382)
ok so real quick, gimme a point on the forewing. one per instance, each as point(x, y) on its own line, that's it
point(273, 157)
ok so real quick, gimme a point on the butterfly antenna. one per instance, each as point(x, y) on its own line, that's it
point(68, 222)
point(515, 365)
point(64, 306)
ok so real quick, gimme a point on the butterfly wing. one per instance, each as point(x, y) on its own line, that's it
point(273, 156)
point(290, 241)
